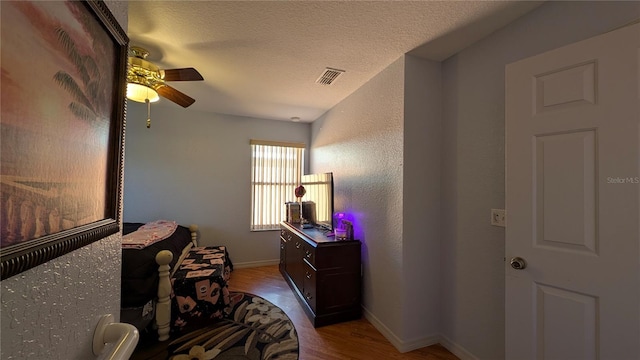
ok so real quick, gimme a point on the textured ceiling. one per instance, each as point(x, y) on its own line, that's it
point(262, 58)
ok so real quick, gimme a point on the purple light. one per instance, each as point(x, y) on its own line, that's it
point(343, 225)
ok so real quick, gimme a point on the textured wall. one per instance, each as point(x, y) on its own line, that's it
point(382, 144)
point(50, 311)
point(195, 167)
point(360, 141)
point(473, 162)
point(421, 200)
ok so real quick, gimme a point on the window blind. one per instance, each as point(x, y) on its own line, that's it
point(275, 172)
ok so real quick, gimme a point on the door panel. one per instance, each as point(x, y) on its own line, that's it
point(573, 199)
point(570, 86)
point(565, 190)
point(558, 313)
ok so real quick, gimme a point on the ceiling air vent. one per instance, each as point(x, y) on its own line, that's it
point(329, 76)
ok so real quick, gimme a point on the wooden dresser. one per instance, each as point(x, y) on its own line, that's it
point(324, 273)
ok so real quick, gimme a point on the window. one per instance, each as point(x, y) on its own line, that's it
point(275, 172)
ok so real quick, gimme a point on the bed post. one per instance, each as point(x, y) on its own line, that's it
point(163, 308)
point(194, 234)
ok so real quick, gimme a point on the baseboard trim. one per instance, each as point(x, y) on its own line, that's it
point(252, 264)
point(400, 345)
point(456, 349)
point(406, 346)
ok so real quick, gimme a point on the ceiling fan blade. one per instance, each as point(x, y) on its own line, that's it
point(184, 74)
point(174, 95)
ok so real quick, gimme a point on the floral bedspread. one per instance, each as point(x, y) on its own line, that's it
point(200, 291)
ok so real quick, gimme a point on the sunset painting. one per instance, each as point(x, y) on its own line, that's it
point(57, 95)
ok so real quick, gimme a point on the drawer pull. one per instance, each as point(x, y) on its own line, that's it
point(308, 296)
point(308, 275)
point(297, 245)
point(308, 254)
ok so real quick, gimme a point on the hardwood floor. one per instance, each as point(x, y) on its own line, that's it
point(352, 340)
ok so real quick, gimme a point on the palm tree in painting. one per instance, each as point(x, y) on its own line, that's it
point(84, 94)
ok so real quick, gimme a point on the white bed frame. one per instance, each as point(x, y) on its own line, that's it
point(163, 306)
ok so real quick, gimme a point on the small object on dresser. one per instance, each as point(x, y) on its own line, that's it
point(344, 230)
point(293, 212)
point(348, 225)
point(306, 225)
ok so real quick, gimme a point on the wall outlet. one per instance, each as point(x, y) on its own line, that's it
point(498, 217)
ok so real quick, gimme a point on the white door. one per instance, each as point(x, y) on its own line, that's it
point(572, 201)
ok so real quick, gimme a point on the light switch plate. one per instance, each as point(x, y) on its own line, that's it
point(498, 217)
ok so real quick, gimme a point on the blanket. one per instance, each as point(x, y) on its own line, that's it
point(148, 234)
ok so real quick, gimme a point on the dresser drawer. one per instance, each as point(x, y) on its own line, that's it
point(283, 254)
point(286, 234)
point(309, 287)
point(309, 253)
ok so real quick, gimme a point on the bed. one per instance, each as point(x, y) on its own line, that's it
point(145, 284)
point(166, 267)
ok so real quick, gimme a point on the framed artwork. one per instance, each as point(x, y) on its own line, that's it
point(61, 128)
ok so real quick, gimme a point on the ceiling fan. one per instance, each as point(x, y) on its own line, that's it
point(146, 82)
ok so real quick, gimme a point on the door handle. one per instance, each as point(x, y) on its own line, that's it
point(518, 263)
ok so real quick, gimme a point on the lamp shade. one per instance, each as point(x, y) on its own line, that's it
point(140, 93)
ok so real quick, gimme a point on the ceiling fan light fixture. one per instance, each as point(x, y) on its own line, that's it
point(146, 82)
point(140, 93)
